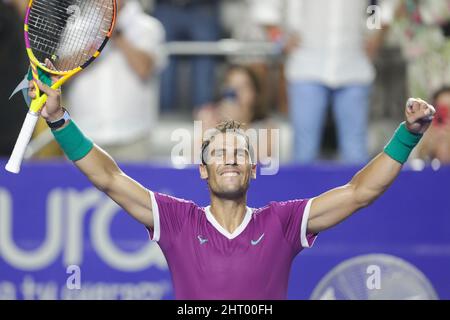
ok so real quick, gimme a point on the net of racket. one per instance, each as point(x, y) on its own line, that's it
point(67, 35)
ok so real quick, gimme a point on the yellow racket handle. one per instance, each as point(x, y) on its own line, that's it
point(38, 102)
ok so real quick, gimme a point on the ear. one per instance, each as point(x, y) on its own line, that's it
point(203, 171)
point(253, 175)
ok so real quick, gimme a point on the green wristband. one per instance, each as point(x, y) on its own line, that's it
point(73, 142)
point(402, 143)
point(43, 76)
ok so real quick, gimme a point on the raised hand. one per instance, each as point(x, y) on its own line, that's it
point(419, 115)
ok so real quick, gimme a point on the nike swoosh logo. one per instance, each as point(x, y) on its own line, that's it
point(255, 242)
point(202, 240)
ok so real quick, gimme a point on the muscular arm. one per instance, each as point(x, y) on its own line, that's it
point(332, 207)
point(100, 168)
point(366, 186)
point(104, 174)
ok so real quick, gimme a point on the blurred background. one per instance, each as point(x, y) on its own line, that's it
point(331, 77)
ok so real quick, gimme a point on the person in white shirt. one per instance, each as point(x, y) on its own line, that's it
point(125, 105)
point(329, 65)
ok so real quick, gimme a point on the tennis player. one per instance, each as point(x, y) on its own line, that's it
point(228, 250)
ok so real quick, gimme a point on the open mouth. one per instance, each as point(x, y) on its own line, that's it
point(230, 173)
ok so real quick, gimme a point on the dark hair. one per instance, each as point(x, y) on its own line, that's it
point(441, 91)
point(259, 109)
point(224, 127)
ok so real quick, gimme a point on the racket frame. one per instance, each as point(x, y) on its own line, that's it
point(38, 102)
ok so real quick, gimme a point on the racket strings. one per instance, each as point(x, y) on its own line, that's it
point(102, 22)
point(44, 30)
point(68, 32)
point(92, 39)
point(100, 17)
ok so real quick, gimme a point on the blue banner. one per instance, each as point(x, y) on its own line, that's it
point(60, 238)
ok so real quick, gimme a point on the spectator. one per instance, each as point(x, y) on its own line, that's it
point(240, 99)
point(436, 142)
point(189, 20)
point(267, 67)
point(13, 67)
point(422, 29)
point(124, 108)
point(329, 49)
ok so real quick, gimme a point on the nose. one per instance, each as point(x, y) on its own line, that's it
point(230, 158)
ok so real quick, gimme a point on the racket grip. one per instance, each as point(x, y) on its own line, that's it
point(18, 153)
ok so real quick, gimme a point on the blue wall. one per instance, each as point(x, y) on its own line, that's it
point(54, 201)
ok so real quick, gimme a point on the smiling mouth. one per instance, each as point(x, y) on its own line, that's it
point(230, 174)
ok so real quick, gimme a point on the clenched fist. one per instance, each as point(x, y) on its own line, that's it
point(419, 115)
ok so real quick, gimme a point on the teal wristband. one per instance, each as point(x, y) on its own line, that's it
point(73, 142)
point(401, 144)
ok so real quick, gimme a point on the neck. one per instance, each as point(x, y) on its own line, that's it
point(229, 213)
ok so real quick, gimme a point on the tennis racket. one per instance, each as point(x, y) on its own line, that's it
point(68, 33)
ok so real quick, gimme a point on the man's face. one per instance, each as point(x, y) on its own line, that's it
point(229, 168)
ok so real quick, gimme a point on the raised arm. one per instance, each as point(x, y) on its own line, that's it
point(96, 164)
point(332, 207)
point(104, 174)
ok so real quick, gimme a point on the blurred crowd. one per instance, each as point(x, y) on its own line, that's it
point(332, 76)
